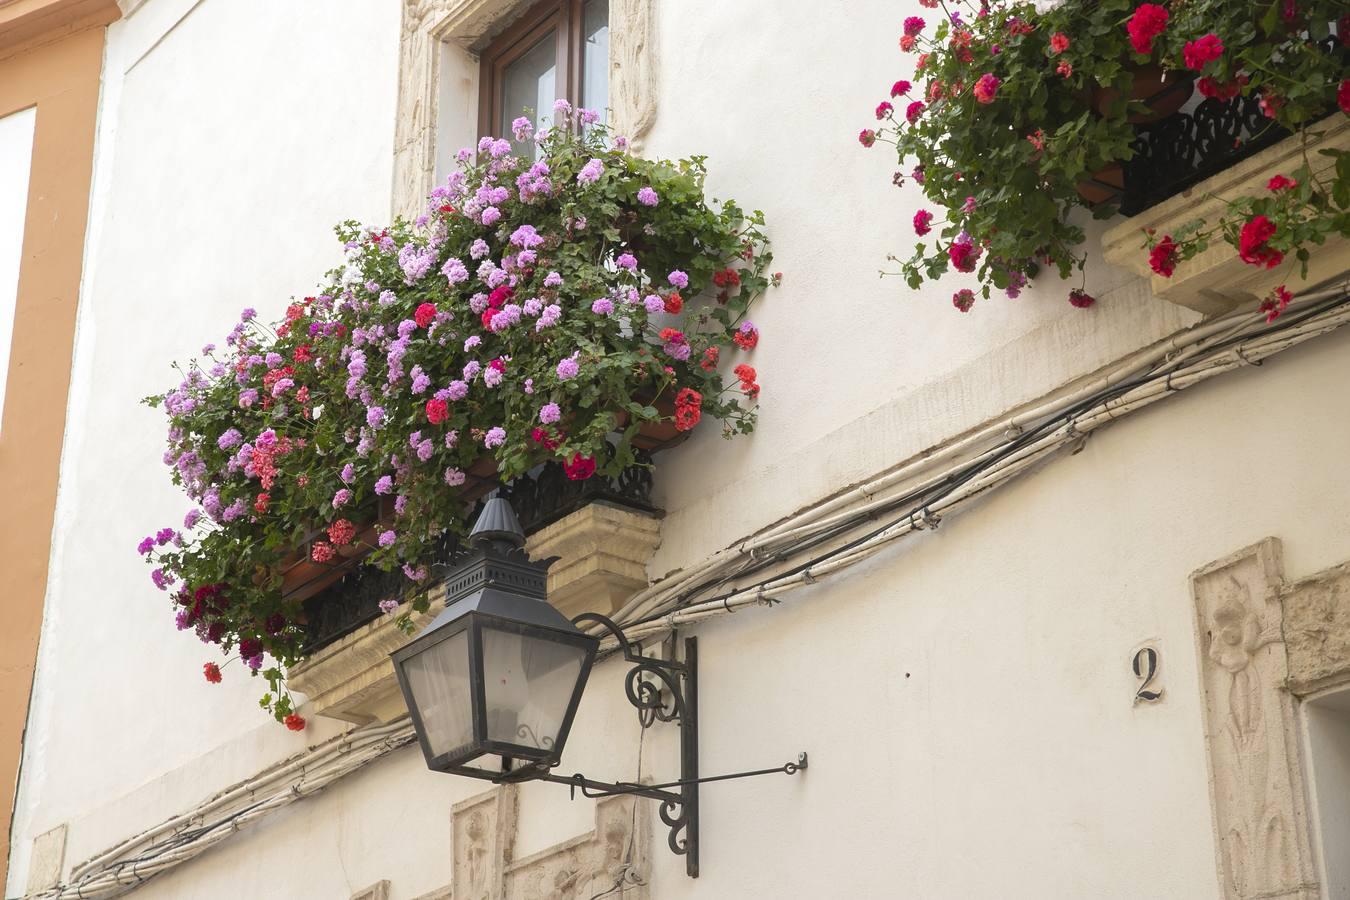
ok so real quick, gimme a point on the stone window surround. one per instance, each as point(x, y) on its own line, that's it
point(1265, 647)
point(437, 73)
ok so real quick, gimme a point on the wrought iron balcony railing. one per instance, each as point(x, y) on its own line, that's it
point(540, 498)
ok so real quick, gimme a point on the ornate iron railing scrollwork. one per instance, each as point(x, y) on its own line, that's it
point(1178, 152)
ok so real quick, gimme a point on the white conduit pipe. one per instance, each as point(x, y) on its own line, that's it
point(910, 476)
point(1205, 367)
point(132, 862)
point(128, 864)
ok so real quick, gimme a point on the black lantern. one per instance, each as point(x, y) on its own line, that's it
point(496, 678)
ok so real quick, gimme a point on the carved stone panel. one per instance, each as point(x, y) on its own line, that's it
point(484, 836)
point(1317, 630)
point(377, 891)
point(612, 857)
point(1256, 782)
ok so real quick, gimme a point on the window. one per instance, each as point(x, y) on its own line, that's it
point(558, 49)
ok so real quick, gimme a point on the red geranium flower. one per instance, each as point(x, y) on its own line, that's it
point(342, 532)
point(900, 87)
point(1275, 303)
point(688, 409)
point(913, 111)
point(710, 356)
point(867, 137)
point(1207, 49)
point(321, 552)
point(1280, 183)
point(437, 411)
point(746, 337)
point(579, 468)
point(1343, 96)
point(425, 314)
point(1081, 298)
point(674, 303)
point(1208, 87)
point(1059, 42)
point(294, 722)
point(212, 672)
point(922, 220)
point(884, 109)
point(1163, 257)
point(1148, 21)
point(963, 299)
point(986, 88)
point(1252, 245)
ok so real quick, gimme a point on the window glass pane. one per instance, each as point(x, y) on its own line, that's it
point(530, 83)
point(595, 57)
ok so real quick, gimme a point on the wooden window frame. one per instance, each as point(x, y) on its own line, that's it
point(563, 17)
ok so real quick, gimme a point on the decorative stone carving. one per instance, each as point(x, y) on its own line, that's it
point(377, 891)
point(603, 551)
point(352, 679)
point(1257, 785)
point(1317, 630)
point(632, 67)
point(1217, 281)
point(470, 24)
point(484, 833)
point(612, 855)
point(46, 860)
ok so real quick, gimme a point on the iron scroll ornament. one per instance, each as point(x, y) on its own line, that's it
point(678, 799)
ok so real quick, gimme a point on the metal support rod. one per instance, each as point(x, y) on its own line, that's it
point(689, 758)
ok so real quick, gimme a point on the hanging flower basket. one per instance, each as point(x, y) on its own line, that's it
point(532, 310)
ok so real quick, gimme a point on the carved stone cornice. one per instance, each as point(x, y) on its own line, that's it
point(469, 24)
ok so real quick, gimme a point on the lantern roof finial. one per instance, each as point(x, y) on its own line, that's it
point(497, 525)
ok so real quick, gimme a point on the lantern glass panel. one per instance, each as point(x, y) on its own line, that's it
point(528, 683)
point(439, 680)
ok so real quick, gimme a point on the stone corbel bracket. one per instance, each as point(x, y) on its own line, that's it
point(1217, 281)
point(468, 25)
point(600, 552)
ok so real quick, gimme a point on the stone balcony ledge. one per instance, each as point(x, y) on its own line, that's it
point(600, 555)
point(1217, 281)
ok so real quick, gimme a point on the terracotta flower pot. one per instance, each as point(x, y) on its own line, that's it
point(654, 437)
point(1105, 184)
point(1164, 91)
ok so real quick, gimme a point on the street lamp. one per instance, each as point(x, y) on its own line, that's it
point(496, 678)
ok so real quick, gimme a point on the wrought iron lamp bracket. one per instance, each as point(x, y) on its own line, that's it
point(678, 799)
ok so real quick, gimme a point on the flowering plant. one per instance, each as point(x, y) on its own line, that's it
point(1019, 107)
point(539, 310)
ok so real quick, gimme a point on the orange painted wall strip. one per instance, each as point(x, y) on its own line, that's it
point(59, 75)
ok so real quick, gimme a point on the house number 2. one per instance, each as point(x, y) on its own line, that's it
point(1146, 668)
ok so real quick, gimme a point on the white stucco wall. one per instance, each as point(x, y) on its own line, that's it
point(232, 136)
point(965, 697)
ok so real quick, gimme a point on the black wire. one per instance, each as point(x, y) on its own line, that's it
point(921, 499)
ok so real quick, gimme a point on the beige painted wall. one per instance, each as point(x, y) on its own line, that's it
point(51, 54)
